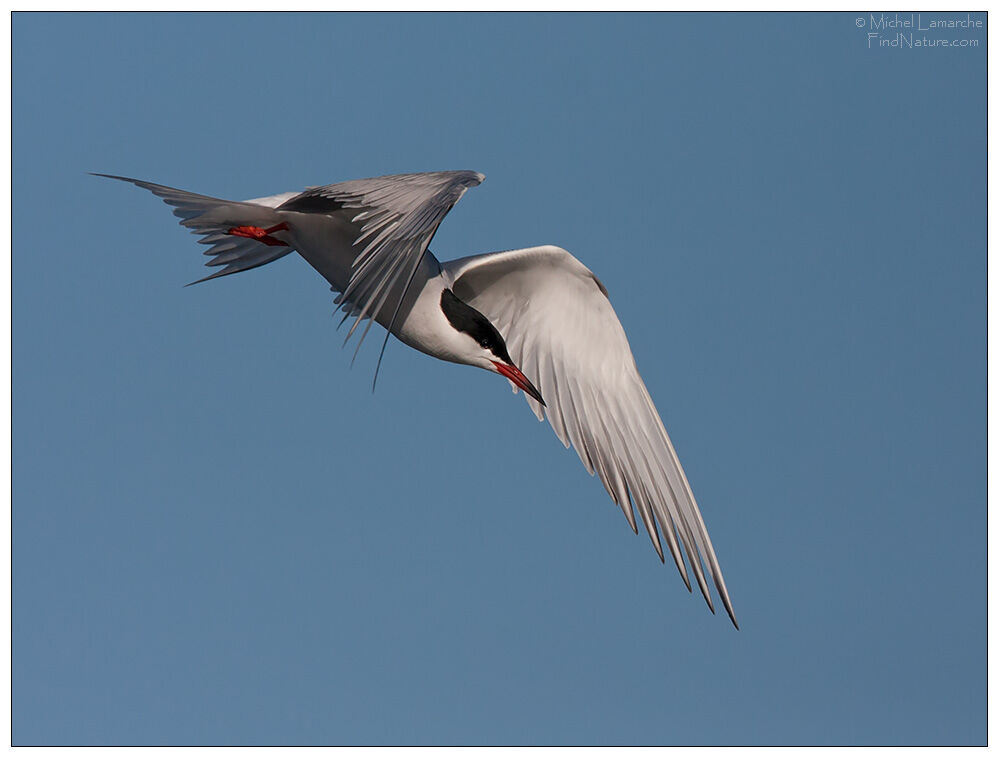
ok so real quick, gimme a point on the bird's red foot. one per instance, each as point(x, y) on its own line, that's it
point(260, 235)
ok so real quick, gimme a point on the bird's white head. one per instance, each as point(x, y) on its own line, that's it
point(478, 343)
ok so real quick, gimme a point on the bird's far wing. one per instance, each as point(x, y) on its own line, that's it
point(397, 217)
point(562, 332)
point(213, 218)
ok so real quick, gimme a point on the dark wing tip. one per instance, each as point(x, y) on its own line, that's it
point(731, 615)
point(111, 176)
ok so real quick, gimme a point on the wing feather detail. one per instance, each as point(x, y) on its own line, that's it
point(396, 217)
point(562, 331)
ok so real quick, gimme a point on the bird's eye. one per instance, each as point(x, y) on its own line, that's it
point(484, 342)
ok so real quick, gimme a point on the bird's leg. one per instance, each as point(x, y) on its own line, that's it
point(259, 234)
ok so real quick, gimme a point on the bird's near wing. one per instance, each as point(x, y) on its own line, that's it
point(396, 217)
point(562, 332)
point(214, 219)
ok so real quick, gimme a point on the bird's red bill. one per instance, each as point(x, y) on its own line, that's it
point(516, 376)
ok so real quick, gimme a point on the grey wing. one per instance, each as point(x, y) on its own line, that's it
point(563, 333)
point(396, 217)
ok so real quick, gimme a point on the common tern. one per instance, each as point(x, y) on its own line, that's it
point(537, 317)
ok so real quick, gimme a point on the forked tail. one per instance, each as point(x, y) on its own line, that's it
point(242, 235)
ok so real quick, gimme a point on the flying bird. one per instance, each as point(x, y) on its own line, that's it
point(537, 317)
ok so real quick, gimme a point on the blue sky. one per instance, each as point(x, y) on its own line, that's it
point(220, 535)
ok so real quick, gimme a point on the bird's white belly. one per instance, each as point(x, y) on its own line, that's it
point(326, 243)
